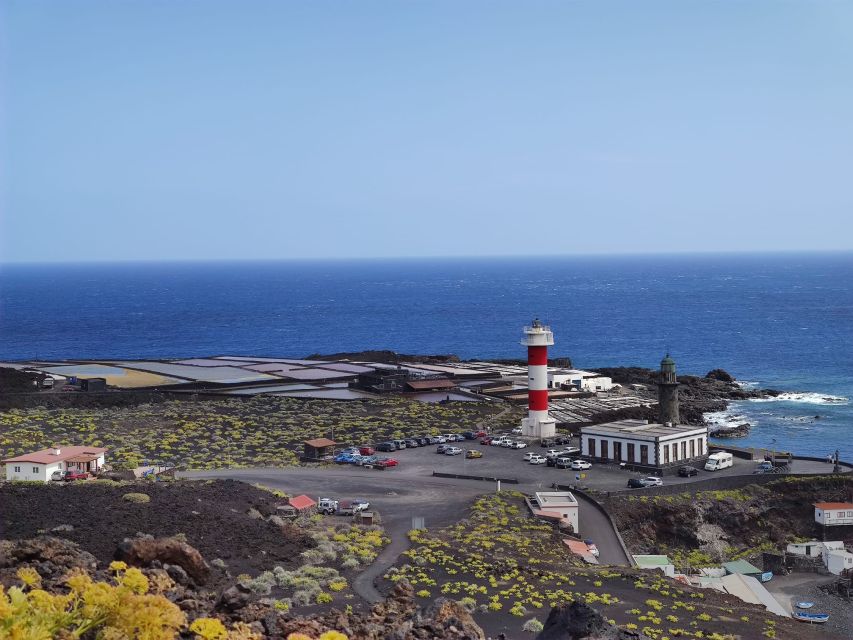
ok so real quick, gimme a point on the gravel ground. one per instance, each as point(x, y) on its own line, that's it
point(796, 587)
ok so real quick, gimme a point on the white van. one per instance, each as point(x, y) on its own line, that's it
point(719, 460)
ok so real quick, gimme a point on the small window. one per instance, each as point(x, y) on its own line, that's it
point(17, 469)
point(35, 469)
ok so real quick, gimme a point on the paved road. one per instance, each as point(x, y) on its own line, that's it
point(398, 497)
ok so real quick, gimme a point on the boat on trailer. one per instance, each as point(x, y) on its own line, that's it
point(817, 618)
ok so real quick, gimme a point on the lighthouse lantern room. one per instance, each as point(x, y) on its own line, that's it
point(538, 424)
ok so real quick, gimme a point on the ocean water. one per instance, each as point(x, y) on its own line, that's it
point(780, 321)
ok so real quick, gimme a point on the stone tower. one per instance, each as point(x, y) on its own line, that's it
point(668, 391)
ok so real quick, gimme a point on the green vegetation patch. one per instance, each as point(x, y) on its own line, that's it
point(261, 431)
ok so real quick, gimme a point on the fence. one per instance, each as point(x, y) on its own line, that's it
point(462, 476)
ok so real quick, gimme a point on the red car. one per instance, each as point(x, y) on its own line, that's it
point(480, 434)
point(388, 462)
point(366, 451)
point(75, 475)
point(486, 440)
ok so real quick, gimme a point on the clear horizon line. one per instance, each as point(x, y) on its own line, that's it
point(637, 254)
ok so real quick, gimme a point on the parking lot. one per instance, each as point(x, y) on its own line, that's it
point(503, 462)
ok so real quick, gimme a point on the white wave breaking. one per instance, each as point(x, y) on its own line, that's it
point(804, 398)
point(727, 418)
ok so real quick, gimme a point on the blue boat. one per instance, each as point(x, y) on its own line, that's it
point(805, 605)
point(818, 618)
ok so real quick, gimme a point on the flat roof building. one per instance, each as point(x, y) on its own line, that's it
point(563, 503)
point(637, 442)
point(652, 445)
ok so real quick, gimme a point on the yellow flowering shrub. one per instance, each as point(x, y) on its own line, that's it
point(113, 611)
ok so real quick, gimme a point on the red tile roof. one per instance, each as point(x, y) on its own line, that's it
point(46, 456)
point(320, 442)
point(834, 505)
point(302, 502)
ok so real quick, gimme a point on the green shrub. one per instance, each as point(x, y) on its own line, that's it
point(532, 626)
point(137, 498)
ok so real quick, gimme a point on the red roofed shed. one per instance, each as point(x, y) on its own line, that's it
point(302, 503)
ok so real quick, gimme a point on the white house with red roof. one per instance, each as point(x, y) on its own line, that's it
point(40, 465)
point(833, 513)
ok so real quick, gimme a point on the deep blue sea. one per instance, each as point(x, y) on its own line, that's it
point(781, 321)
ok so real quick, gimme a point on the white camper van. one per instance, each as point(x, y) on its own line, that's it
point(719, 460)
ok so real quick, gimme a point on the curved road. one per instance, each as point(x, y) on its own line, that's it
point(402, 494)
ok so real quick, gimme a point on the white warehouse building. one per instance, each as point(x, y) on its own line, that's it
point(581, 380)
point(638, 442)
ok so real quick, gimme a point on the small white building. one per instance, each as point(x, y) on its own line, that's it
point(638, 442)
point(833, 513)
point(838, 561)
point(810, 549)
point(40, 465)
point(561, 502)
point(581, 380)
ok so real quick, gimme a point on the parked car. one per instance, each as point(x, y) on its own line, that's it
point(486, 440)
point(424, 440)
point(687, 471)
point(57, 475)
point(507, 443)
point(412, 443)
point(765, 466)
point(388, 462)
point(356, 458)
point(551, 461)
point(329, 506)
point(530, 454)
point(401, 444)
point(453, 451)
point(367, 461)
point(350, 450)
point(450, 437)
point(537, 459)
point(442, 448)
point(440, 439)
point(468, 435)
point(563, 463)
point(473, 453)
point(590, 545)
point(480, 434)
point(635, 483)
point(517, 431)
point(386, 446)
point(562, 439)
point(651, 481)
point(571, 451)
point(581, 465)
point(518, 445)
point(366, 451)
point(74, 474)
point(552, 453)
point(343, 458)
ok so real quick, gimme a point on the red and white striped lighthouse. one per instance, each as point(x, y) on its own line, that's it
point(537, 339)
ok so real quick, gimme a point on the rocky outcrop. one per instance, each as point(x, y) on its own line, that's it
point(142, 552)
point(51, 557)
point(579, 621)
point(396, 618)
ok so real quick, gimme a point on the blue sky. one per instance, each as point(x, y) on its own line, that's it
point(247, 129)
